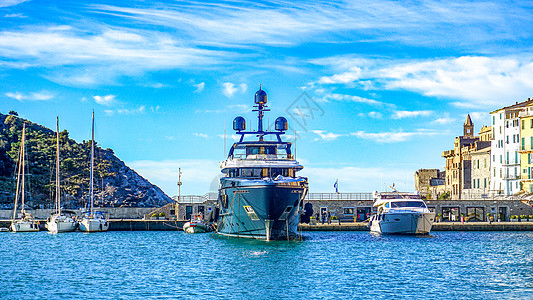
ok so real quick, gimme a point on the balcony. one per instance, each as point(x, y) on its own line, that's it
point(447, 153)
point(510, 162)
point(525, 149)
point(511, 176)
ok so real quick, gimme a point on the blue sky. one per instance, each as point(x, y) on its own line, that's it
point(373, 89)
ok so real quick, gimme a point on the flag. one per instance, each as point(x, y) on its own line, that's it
point(336, 186)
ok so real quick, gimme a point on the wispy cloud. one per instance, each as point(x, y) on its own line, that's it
point(401, 114)
point(392, 137)
point(6, 3)
point(33, 96)
point(202, 135)
point(468, 81)
point(226, 24)
point(104, 54)
point(126, 111)
point(199, 87)
point(107, 100)
point(229, 89)
point(327, 136)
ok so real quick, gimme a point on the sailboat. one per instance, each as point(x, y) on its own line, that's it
point(93, 220)
point(25, 223)
point(60, 221)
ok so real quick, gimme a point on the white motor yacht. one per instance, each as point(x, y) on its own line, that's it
point(400, 213)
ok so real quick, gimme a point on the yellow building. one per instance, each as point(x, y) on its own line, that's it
point(526, 149)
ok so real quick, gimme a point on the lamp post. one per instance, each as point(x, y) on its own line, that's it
point(179, 192)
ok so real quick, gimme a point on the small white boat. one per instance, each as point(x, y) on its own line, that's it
point(196, 225)
point(25, 223)
point(93, 221)
point(60, 221)
point(400, 213)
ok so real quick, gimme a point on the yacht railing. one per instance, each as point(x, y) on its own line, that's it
point(196, 199)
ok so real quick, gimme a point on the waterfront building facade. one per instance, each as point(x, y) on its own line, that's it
point(526, 149)
point(458, 167)
point(429, 183)
point(480, 174)
point(505, 147)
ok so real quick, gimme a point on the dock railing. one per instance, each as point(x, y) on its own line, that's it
point(192, 199)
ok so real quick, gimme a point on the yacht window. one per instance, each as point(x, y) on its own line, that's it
point(256, 173)
point(279, 171)
point(408, 204)
point(387, 205)
point(260, 150)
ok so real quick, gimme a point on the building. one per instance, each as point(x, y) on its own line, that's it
point(505, 158)
point(458, 166)
point(526, 149)
point(480, 174)
point(429, 183)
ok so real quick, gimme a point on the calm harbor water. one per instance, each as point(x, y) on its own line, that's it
point(346, 265)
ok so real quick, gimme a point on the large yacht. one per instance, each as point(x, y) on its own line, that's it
point(260, 195)
point(400, 213)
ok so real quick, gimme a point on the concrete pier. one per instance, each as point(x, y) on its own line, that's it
point(441, 226)
point(173, 225)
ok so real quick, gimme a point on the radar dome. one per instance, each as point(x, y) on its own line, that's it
point(260, 97)
point(239, 123)
point(281, 124)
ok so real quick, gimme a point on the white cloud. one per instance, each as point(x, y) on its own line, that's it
point(202, 135)
point(469, 81)
point(126, 111)
point(411, 114)
point(101, 56)
point(199, 87)
point(326, 136)
point(229, 89)
point(392, 137)
point(6, 3)
point(228, 24)
point(107, 100)
point(33, 96)
point(443, 121)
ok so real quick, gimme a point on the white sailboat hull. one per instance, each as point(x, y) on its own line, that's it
point(93, 225)
point(61, 224)
point(403, 223)
point(24, 226)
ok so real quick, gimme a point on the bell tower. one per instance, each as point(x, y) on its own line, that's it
point(468, 127)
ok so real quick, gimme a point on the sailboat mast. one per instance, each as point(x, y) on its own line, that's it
point(23, 155)
point(92, 166)
point(18, 181)
point(58, 188)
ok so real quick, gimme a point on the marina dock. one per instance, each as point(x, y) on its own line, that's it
point(173, 225)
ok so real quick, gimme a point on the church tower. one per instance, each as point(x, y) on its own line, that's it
point(468, 127)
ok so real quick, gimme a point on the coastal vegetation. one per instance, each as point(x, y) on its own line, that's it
point(115, 183)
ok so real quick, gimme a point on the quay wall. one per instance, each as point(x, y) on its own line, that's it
point(114, 212)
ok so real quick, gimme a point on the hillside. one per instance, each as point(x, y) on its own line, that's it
point(116, 185)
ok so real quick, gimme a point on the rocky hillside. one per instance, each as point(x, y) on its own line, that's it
point(116, 185)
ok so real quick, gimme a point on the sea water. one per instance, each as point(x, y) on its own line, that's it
point(325, 265)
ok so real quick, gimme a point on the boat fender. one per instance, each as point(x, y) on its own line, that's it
point(217, 212)
point(308, 209)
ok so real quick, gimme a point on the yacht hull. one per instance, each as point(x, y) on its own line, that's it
point(24, 226)
point(61, 224)
point(260, 211)
point(93, 225)
point(403, 223)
